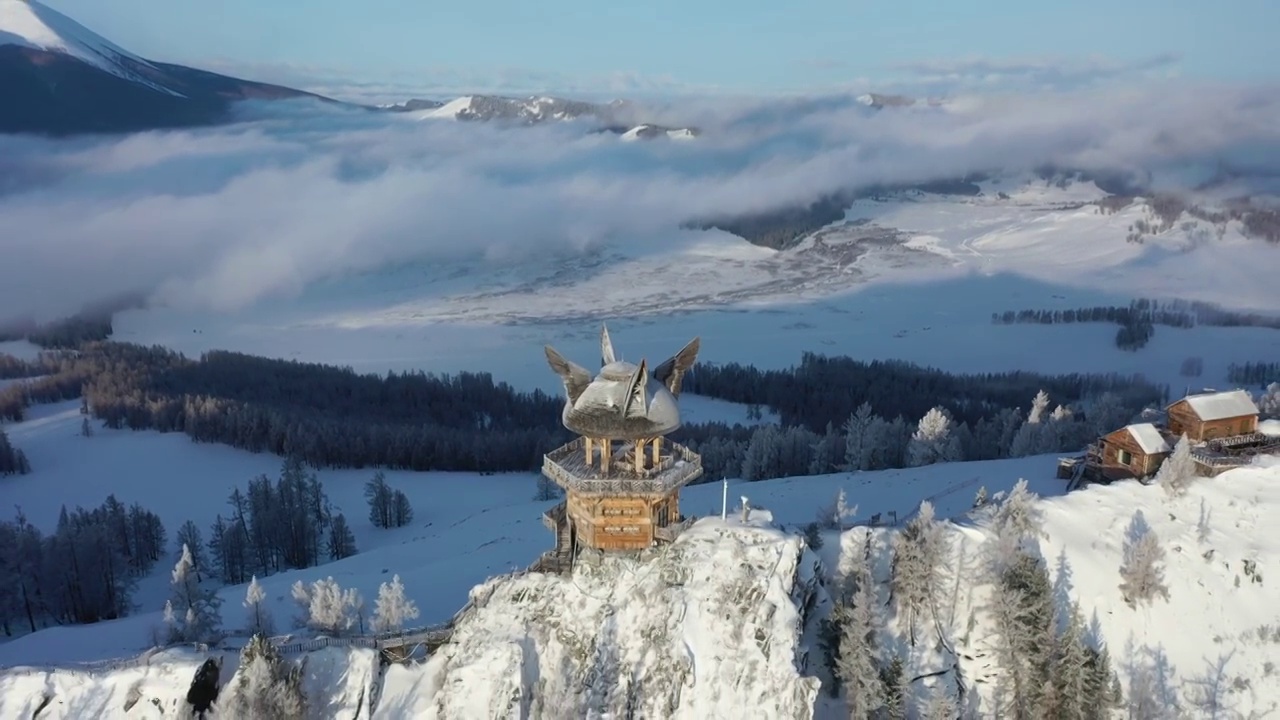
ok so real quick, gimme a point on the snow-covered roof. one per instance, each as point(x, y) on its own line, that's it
point(1148, 438)
point(1222, 405)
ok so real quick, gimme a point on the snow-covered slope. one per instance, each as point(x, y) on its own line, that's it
point(646, 132)
point(706, 628)
point(1214, 643)
point(336, 683)
point(27, 23)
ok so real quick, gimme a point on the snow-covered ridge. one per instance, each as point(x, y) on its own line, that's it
point(27, 23)
point(647, 131)
point(540, 109)
point(708, 627)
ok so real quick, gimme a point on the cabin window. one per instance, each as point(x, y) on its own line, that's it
point(1124, 456)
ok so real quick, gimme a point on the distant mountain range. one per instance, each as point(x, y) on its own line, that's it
point(536, 109)
point(59, 78)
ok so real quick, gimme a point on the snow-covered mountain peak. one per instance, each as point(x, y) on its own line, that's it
point(708, 627)
point(27, 23)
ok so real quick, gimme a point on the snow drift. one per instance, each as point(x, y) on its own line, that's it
point(707, 627)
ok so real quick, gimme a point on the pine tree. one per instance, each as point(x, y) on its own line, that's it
point(393, 608)
point(893, 677)
point(1071, 672)
point(196, 609)
point(259, 615)
point(189, 537)
point(341, 543)
point(855, 429)
point(856, 664)
point(1178, 470)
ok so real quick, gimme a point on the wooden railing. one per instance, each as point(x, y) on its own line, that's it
point(566, 466)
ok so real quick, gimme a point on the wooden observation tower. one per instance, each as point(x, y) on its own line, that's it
point(621, 479)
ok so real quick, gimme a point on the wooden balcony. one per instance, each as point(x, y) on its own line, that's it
point(567, 466)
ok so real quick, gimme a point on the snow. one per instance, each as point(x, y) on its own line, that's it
point(156, 689)
point(1222, 405)
point(1269, 427)
point(28, 23)
point(530, 634)
point(449, 110)
point(710, 620)
point(336, 683)
point(1149, 438)
point(467, 527)
point(1220, 622)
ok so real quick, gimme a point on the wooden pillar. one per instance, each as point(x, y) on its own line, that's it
point(657, 450)
point(606, 456)
point(639, 456)
point(586, 440)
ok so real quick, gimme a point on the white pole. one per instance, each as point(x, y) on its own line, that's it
point(724, 501)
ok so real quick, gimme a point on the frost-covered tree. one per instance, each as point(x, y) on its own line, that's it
point(393, 608)
point(1178, 470)
point(300, 592)
point(1142, 570)
point(1269, 401)
point(266, 687)
point(932, 441)
point(1015, 522)
point(328, 608)
point(195, 609)
point(1071, 671)
point(1039, 404)
point(258, 614)
point(893, 677)
point(856, 664)
point(837, 512)
point(826, 454)
point(1037, 434)
point(189, 537)
point(919, 552)
point(1024, 621)
point(980, 499)
point(855, 428)
point(942, 706)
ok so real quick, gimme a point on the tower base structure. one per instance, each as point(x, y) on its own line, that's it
point(619, 496)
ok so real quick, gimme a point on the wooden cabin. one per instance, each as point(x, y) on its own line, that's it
point(1133, 451)
point(1212, 416)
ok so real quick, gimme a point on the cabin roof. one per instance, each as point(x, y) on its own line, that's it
point(1221, 405)
point(1149, 438)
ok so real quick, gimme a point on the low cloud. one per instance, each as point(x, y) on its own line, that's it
point(1037, 73)
point(224, 218)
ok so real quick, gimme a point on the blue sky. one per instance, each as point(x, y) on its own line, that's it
point(738, 45)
